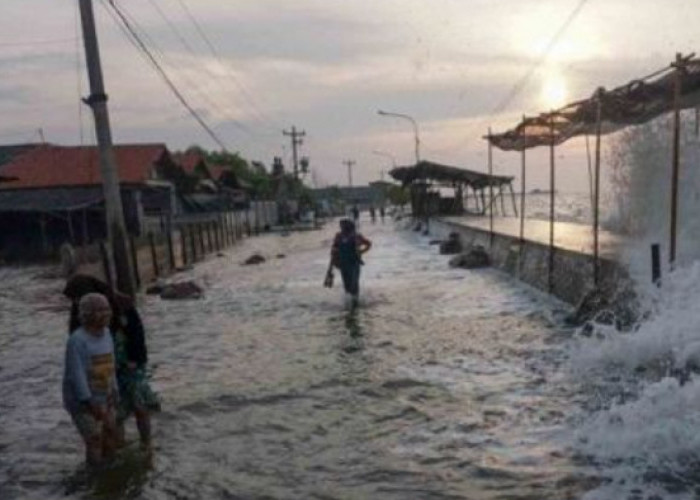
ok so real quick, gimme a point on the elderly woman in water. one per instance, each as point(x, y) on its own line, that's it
point(90, 391)
point(131, 356)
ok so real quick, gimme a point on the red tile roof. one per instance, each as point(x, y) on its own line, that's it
point(54, 166)
point(189, 161)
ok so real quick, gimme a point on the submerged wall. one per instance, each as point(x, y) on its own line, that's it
point(572, 272)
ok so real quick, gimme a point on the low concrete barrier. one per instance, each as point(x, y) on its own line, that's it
point(572, 272)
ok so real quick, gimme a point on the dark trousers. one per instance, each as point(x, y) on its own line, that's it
point(351, 278)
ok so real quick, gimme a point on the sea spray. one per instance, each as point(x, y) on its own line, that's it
point(641, 412)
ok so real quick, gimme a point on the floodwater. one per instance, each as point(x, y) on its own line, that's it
point(443, 384)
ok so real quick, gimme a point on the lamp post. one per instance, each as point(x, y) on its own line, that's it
point(415, 128)
point(425, 202)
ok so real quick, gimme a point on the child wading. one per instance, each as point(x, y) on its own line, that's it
point(346, 255)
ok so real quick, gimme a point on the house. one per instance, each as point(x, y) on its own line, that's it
point(218, 188)
point(56, 195)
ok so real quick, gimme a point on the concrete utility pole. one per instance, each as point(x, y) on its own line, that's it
point(349, 164)
point(114, 213)
point(296, 141)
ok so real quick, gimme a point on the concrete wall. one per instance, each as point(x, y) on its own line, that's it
point(572, 272)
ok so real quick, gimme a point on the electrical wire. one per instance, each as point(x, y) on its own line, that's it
point(190, 49)
point(525, 79)
point(215, 53)
point(164, 76)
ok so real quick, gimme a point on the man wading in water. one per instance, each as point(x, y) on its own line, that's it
point(346, 255)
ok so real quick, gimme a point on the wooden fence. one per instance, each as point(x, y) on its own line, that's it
point(157, 255)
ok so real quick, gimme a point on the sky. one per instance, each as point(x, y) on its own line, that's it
point(327, 66)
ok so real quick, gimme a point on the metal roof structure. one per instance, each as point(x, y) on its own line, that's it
point(50, 200)
point(432, 171)
point(634, 103)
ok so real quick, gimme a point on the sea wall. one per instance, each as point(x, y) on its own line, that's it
point(572, 272)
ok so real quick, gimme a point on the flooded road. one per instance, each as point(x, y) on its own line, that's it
point(443, 384)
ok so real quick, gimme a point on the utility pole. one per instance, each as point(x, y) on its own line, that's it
point(349, 164)
point(114, 213)
point(296, 141)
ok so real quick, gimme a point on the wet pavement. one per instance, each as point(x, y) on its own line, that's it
point(443, 384)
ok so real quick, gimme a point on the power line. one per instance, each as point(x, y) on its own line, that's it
point(525, 79)
point(183, 41)
point(171, 85)
point(244, 92)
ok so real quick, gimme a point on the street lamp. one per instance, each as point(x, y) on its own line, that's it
point(386, 155)
point(415, 128)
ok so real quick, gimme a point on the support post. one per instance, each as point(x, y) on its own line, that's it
point(135, 260)
point(552, 184)
point(210, 243)
point(104, 254)
point(116, 229)
point(490, 160)
point(512, 199)
point(193, 243)
point(200, 236)
point(679, 65)
point(656, 264)
point(154, 254)
point(596, 190)
point(171, 249)
point(522, 210)
point(183, 246)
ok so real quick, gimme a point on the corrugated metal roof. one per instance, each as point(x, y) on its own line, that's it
point(428, 170)
point(62, 166)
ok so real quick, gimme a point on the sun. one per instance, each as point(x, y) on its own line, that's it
point(554, 92)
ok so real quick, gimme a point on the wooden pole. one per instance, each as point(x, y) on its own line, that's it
point(135, 260)
point(552, 185)
point(522, 197)
point(104, 253)
point(183, 246)
point(596, 190)
point(503, 199)
point(171, 249)
point(200, 235)
point(114, 211)
point(490, 160)
point(154, 254)
point(207, 228)
point(676, 157)
point(512, 199)
point(522, 210)
point(193, 242)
